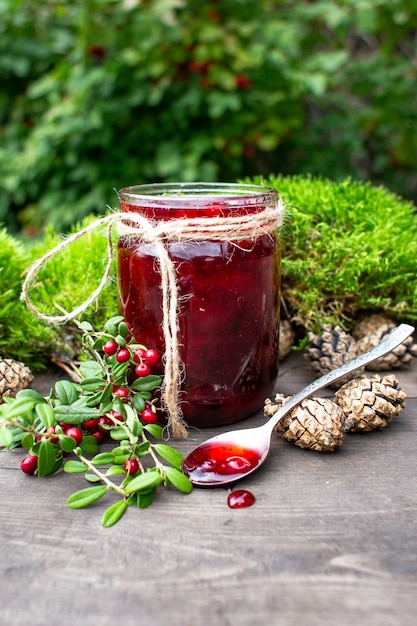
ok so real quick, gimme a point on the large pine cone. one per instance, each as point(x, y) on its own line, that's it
point(373, 329)
point(371, 402)
point(334, 348)
point(316, 424)
point(14, 376)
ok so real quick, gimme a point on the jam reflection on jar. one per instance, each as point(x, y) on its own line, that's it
point(228, 321)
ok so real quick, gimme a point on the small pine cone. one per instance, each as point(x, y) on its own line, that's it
point(371, 402)
point(315, 424)
point(14, 376)
point(334, 348)
point(373, 329)
point(286, 338)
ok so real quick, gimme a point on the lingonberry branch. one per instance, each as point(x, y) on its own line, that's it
point(110, 394)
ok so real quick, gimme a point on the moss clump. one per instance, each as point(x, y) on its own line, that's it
point(348, 247)
point(66, 281)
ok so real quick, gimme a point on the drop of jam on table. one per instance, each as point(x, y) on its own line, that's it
point(240, 499)
point(210, 463)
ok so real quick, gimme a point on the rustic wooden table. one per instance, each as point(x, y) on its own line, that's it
point(331, 539)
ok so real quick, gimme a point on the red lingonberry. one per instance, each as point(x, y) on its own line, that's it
point(122, 355)
point(149, 416)
point(98, 435)
point(139, 354)
point(110, 347)
point(122, 392)
point(142, 369)
point(131, 466)
point(75, 433)
point(116, 416)
point(90, 424)
point(29, 464)
point(152, 356)
point(103, 423)
point(52, 431)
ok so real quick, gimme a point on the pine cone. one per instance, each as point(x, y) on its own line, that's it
point(371, 402)
point(371, 330)
point(315, 424)
point(286, 338)
point(14, 376)
point(334, 348)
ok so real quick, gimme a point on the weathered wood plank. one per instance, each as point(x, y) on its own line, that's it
point(331, 539)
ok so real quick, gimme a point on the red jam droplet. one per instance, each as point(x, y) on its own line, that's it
point(240, 499)
point(214, 463)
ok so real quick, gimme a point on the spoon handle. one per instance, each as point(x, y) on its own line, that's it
point(395, 338)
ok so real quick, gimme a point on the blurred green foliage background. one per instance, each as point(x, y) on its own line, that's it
point(99, 94)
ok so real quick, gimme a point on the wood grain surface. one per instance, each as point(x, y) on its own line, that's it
point(331, 539)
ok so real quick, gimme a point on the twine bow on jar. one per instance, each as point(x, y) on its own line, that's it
point(233, 229)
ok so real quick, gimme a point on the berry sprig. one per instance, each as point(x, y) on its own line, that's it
point(113, 399)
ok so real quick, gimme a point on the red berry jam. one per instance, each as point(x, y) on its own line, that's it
point(210, 463)
point(240, 499)
point(229, 293)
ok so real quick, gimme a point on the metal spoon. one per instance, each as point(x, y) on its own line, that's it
point(233, 455)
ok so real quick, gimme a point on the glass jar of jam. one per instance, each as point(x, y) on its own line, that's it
point(228, 289)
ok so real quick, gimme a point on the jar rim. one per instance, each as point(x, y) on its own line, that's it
point(197, 192)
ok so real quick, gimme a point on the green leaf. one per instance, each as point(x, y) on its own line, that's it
point(86, 327)
point(118, 434)
point(147, 383)
point(112, 515)
point(138, 402)
point(115, 470)
point(144, 481)
point(94, 400)
point(103, 458)
point(169, 454)
point(45, 413)
point(111, 325)
point(67, 443)
point(142, 448)
point(85, 497)
point(92, 384)
point(27, 440)
point(154, 429)
point(178, 479)
point(119, 407)
point(17, 407)
point(75, 414)
point(107, 394)
point(123, 329)
point(92, 478)
point(89, 445)
point(47, 458)
point(145, 498)
point(66, 392)
point(75, 467)
point(6, 436)
point(121, 341)
point(30, 393)
point(90, 369)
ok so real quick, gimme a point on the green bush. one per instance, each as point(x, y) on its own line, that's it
point(99, 94)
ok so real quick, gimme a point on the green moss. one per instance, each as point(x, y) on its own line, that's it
point(348, 247)
point(66, 281)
